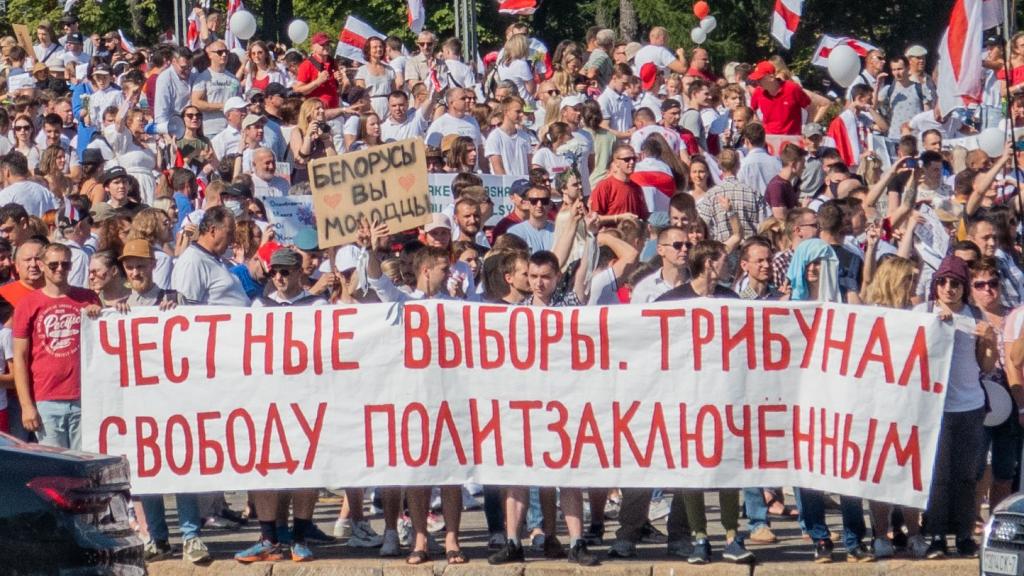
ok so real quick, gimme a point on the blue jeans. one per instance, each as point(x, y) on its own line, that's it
point(534, 515)
point(156, 515)
point(756, 508)
point(62, 423)
point(812, 514)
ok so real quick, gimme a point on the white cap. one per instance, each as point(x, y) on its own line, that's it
point(235, 103)
point(916, 50)
point(438, 220)
point(347, 258)
point(571, 100)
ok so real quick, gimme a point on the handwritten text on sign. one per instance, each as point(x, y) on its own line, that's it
point(386, 183)
point(764, 394)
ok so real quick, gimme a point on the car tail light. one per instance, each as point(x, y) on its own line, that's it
point(70, 494)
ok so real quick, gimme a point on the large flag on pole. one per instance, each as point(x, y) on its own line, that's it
point(417, 15)
point(959, 81)
point(517, 7)
point(828, 43)
point(785, 19)
point(352, 37)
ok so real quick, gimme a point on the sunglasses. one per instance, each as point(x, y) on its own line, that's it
point(424, 43)
point(282, 272)
point(983, 284)
point(539, 201)
point(193, 114)
point(628, 159)
point(678, 245)
point(953, 283)
point(555, 92)
point(22, 127)
point(219, 52)
point(63, 265)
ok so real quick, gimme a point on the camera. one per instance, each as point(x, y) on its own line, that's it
point(324, 127)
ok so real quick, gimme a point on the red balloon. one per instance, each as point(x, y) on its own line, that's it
point(701, 9)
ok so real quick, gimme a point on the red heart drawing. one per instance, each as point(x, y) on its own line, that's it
point(407, 181)
point(332, 200)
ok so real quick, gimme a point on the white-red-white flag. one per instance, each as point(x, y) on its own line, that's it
point(352, 37)
point(785, 19)
point(828, 43)
point(192, 34)
point(959, 82)
point(230, 40)
point(417, 15)
point(517, 7)
point(126, 44)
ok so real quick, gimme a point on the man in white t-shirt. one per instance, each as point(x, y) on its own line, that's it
point(657, 54)
point(36, 199)
point(401, 122)
point(616, 106)
point(265, 181)
point(200, 274)
point(213, 87)
point(227, 141)
point(457, 120)
point(508, 146)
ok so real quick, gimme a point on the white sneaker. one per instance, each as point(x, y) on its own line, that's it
point(194, 551)
point(363, 536)
point(342, 528)
point(390, 546)
point(405, 531)
point(659, 509)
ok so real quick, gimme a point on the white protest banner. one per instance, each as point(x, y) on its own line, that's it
point(289, 214)
point(386, 183)
point(497, 187)
point(714, 394)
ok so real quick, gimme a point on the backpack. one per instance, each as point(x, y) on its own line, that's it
point(892, 95)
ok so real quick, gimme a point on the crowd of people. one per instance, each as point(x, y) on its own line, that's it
point(642, 174)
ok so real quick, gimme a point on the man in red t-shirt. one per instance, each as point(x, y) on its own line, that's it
point(318, 76)
point(47, 350)
point(780, 103)
point(617, 194)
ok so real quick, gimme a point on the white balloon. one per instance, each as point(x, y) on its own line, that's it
point(243, 24)
point(698, 36)
point(843, 65)
point(708, 23)
point(298, 31)
point(992, 141)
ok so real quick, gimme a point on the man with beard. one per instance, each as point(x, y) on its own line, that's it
point(138, 262)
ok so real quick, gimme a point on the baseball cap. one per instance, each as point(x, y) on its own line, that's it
point(438, 220)
point(235, 103)
point(101, 212)
point(519, 187)
point(306, 240)
point(275, 89)
point(670, 103)
point(114, 173)
point(238, 189)
point(763, 68)
point(648, 75)
point(572, 100)
point(75, 38)
point(916, 50)
point(92, 156)
point(812, 129)
point(252, 93)
point(286, 258)
point(39, 67)
point(101, 68)
point(993, 41)
point(347, 258)
point(68, 19)
point(632, 48)
point(433, 152)
point(320, 38)
point(447, 142)
point(138, 248)
point(251, 119)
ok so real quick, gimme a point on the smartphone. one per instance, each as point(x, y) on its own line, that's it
point(911, 163)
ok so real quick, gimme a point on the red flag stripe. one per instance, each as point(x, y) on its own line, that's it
point(792, 19)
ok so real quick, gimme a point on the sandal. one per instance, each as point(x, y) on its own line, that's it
point(786, 512)
point(418, 557)
point(456, 557)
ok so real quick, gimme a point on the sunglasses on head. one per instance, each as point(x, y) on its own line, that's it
point(539, 201)
point(678, 245)
point(991, 284)
point(63, 265)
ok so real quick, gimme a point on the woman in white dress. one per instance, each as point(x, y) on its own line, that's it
point(127, 138)
point(377, 77)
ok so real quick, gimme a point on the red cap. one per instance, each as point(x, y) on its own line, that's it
point(490, 58)
point(320, 38)
point(267, 250)
point(763, 68)
point(648, 74)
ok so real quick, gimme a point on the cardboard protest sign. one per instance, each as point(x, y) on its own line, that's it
point(498, 188)
point(716, 394)
point(386, 183)
point(289, 214)
point(24, 37)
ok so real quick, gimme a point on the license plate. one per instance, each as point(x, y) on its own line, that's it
point(999, 563)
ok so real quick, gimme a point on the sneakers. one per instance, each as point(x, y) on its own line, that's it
point(262, 551)
point(553, 549)
point(435, 522)
point(512, 552)
point(622, 549)
point(316, 536)
point(917, 546)
point(301, 552)
point(883, 548)
point(659, 509)
point(362, 535)
point(763, 535)
point(537, 542)
point(680, 548)
point(936, 549)
point(390, 544)
point(579, 554)
point(611, 509)
point(342, 528)
point(859, 553)
point(219, 523)
point(594, 536)
point(823, 552)
point(651, 535)
point(967, 547)
point(701, 552)
point(157, 550)
point(736, 552)
point(194, 551)
point(405, 535)
point(496, 541)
